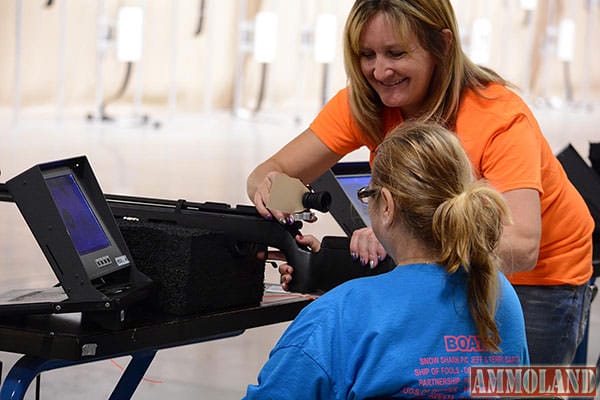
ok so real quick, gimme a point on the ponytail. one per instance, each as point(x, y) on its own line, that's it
point(468, 227)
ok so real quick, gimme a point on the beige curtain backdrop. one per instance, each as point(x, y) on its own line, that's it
point(202, 69)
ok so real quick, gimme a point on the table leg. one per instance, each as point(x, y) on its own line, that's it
point(133, 375)
point(25, 370)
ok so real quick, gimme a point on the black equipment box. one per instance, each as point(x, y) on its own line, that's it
point(195, 270)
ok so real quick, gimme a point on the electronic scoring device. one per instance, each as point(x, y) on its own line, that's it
point(342, 182)
point(66, 211)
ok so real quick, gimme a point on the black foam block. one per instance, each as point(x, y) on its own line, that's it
point(195, 270)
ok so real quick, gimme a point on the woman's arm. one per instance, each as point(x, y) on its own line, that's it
point(520, 242)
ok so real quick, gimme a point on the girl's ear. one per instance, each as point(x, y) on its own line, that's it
point(388, 208)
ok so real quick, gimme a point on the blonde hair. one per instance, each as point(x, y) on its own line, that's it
point(460, 220)
point(453, 73)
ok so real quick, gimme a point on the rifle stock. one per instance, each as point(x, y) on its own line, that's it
point(313, 272)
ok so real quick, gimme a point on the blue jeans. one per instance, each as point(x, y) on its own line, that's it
point(555, 321)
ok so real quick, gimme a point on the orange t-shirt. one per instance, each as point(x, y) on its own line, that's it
point(506, 146)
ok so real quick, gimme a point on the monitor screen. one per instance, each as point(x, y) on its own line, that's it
point(68, 214)
point(342, 181)
point(77, 198)
point(350, 184)
point(79, 218)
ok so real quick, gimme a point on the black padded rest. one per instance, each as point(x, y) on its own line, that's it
point(195, 270)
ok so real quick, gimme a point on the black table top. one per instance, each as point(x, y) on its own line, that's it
point(71, 337)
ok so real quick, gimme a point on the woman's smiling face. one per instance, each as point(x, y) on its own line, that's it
point(399, 71)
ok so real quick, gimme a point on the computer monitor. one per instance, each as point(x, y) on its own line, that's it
point(99, 253)
point(351, 184)
point(342, 181)
point(68, 215)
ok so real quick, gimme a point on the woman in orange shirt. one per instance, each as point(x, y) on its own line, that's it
point(404, 62)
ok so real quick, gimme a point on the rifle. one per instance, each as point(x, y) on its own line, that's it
point(313, 271)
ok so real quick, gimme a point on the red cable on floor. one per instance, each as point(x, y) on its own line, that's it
point(144, 379)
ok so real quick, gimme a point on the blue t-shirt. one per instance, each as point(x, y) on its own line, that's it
point(406, 333)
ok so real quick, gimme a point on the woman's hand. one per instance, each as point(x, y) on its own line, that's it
point(306, 157)
point(286, 270)
point(365, 246)
point(261, 197)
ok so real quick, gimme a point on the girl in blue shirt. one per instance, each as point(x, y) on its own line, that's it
point(417, 330)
